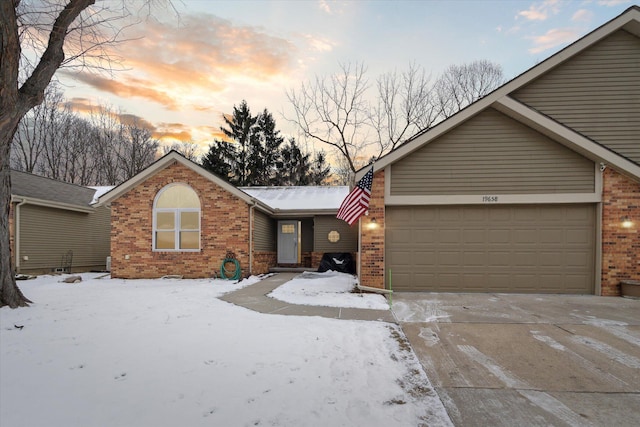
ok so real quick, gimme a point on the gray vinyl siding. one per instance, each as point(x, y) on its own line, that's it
point(596, 93)
point(348, 235)
point(264, 232)
point(306, 231)
point(46, 234)
point(492, 154)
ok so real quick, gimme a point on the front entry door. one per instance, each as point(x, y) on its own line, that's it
point(288, 238)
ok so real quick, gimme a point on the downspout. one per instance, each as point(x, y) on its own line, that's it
point(16, 233)
point(251, 213)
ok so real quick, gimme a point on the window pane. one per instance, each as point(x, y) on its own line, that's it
point(189, 240)
point(165, 240)
point(288, 228)
point(165, 221)
point(189, 221)
point(178, 196)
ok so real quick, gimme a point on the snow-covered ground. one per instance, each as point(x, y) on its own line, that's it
point(169, 353)
point(331, 289)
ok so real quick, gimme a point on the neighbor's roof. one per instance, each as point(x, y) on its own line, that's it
point(50, 192)
point(299, 198)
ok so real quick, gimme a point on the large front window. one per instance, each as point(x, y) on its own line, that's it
point(176, 219)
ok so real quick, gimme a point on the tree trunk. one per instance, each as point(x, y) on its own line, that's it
point(10, 294)
point(14, 104)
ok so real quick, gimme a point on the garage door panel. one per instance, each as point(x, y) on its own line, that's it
point(551, 235)
point(474, 258)
point(499, 259)
point(474, 236)
point(449, 236)
point(579, 236)
point(498, 236)
point(536, 248)
point(524, 259)
point(551, 259)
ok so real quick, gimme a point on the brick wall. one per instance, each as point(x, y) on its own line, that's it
point(620, 246)
point(372, 245)
point(262, 261)
point(224, 227)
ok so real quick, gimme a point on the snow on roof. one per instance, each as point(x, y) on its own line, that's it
point(100, 190)
point(299, 198)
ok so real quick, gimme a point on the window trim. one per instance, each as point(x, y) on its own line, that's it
point(177, 214)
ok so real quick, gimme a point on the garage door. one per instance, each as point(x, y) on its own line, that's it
point(524, 249)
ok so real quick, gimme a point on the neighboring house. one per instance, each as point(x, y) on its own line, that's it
point(53, 226)
point(177, 218)
point(535, 188)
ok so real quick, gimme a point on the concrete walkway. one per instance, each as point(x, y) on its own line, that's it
point(254, 297)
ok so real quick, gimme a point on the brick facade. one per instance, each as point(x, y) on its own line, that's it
point(372, 245)
point(620, 245)
point(262, 261)
point(224, 227)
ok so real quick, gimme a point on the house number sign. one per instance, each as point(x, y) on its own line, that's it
point(489, 199)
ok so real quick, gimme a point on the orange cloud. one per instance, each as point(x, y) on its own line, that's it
point(205, 51)
point(185, 64)
point(131, 88)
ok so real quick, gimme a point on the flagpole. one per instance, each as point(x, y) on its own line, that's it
point(359, 249)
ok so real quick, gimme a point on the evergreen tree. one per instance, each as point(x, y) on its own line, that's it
point(295, 165)
point(220, 159)
point(265, 156)
point(253, 154)
point(241, 127)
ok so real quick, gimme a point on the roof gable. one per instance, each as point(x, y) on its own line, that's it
point(500, 99)
point(162, 163)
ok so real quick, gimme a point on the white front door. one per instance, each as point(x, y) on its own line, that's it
point(288, 242)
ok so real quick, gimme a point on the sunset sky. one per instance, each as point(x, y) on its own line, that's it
point(184, 71)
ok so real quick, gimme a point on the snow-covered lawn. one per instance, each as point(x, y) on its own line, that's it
point(169, 353)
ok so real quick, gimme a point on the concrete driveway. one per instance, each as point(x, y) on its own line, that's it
point(528, 360)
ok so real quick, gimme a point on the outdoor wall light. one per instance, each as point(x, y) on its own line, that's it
point(626, 222)
point(372, 224)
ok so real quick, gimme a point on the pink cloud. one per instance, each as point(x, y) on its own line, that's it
point(553, 38)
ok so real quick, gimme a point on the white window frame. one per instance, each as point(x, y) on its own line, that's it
point(177, 212)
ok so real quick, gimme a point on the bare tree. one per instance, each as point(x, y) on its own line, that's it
point(334, 110)
point(404, 107)
point(188, 149)
point(33, 131)
point(337, 110)
point(137, 149)
point(462, 85)
point(57, 33)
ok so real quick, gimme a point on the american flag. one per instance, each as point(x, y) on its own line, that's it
point(357, 202)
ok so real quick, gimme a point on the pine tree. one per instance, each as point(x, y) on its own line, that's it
point(220, 159)
point(265, 156)
point(241, 126)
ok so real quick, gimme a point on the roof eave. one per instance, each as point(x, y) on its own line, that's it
point(16, 198)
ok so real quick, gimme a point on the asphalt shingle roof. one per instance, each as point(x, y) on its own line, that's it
point(24, 184)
